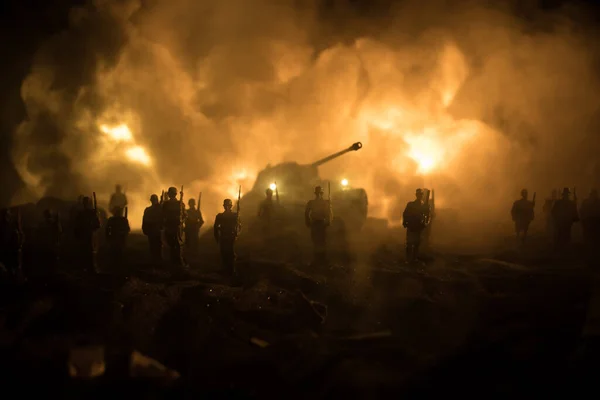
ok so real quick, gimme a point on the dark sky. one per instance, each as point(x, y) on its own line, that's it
point(26, 23)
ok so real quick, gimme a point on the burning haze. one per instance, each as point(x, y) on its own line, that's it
point(204, 94)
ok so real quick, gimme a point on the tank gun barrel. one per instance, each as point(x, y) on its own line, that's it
point(356, 146)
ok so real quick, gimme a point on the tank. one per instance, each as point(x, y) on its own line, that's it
point(295, 185)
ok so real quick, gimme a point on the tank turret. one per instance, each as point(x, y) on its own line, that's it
point(295, 185)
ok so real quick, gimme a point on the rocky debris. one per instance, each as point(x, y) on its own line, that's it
point(86, 362)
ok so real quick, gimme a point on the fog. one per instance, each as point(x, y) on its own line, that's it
point(469, 101)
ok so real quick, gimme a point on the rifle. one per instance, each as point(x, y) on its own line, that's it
point(181, 211)
point(19, 222)
point(125, 212)
point(237, 215)
point(276, 193)
point(432, 203)
point(162, 197)
point(199, 200)
point(427, 213)
point(95, 202)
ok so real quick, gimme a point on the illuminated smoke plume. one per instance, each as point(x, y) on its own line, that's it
point(206, 93)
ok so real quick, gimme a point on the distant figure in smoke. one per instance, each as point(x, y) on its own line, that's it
point(152, 225)
point(522, 213)
point(590, 219)
point(173, 220)
point(193, 223)
point(117, 230)
point(266, 214)
point(415, 219)
point(48, 238)
point(74, 211)
point(564, 215)
point(87, 223)
point(318, 216)
point(11, 243)
point(226, 229)
point(547, 210)
point(117, 199)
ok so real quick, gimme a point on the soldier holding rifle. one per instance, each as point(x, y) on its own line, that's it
point(226, 229)
point(87, 224)
point(193, 223)
point(174, 216)
point(415, 219)
point(318, 216)
point(152, 225)
point(564, 215)
point(522, 213)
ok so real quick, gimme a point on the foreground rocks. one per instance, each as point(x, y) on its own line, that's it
point(329, 330)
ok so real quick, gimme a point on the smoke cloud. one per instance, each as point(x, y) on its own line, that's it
point(467, 100)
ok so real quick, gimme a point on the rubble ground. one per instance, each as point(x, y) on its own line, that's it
point(369, 325)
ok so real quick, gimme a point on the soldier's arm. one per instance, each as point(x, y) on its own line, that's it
point(307, 213)
point(330, 212)
point(145, 221)
point(405, 214)
point(96, 222)
point(216, 228)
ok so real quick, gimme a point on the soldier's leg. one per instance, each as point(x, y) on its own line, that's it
point(314, 237)
point(224, 250)
point(155, 243)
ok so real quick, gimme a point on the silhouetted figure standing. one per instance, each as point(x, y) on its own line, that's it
point(318, 216)
point(117, 230)
point(226, 229)
point(522, 213)
point(414, 219)
point(48, 238)
point(174, 216)
point(11, 243)
point(152, 225)
point(547, 210)
point(117, 199)
point(86, 227)
point(590, 219)
point(266, 213)
point(564, 215)
point(193, 223)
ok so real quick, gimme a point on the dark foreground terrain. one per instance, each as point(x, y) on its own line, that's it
point(506, 324)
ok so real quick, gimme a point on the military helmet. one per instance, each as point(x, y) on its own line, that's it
point(419, 191)
point(524, 192)
point(153, 198)
point(172, 190)
point(566, 191)
point(227, 202)
point(318, 190)
point(191, 201)
point(269, 192)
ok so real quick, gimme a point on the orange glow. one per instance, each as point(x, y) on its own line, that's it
point(119, 133)
point(137, 154)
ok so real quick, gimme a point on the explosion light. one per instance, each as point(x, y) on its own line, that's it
point(272, 186)
point(344, 182)
point(138, 155)
point(120, 133)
